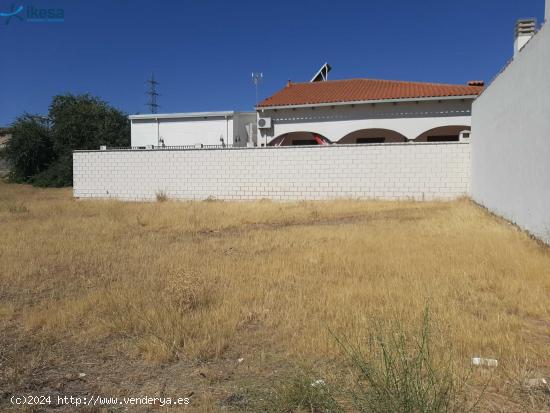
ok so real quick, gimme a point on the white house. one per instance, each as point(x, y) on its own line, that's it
point(189, 129)
point(351, 111)
point(356, 111)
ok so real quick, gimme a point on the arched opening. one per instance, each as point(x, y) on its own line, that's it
point(443, 134)
point(372, 136)
point(299, 139)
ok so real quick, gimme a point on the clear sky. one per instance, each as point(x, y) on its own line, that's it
point(203, 51)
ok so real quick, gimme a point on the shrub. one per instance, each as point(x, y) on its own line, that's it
point(40, 150)
point(58, 174)
point(402, 374)
point(30, 149)
point(393, 372)
point(86, 122)
point(18, 209)
point(161, 196)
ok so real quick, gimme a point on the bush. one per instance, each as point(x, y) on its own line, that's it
point(86, 122)
point(161, 196)
point(42, 155)
point(58, 174)
point(393, 372)
point(402, 374)
point(30, 149)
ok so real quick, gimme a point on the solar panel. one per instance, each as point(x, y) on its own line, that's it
point(322, 74)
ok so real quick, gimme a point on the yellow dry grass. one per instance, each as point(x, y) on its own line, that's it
point(194, 280)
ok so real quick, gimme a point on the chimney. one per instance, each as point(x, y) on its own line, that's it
point(525, 29)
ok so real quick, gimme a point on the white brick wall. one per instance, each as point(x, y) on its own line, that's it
point(420, 171)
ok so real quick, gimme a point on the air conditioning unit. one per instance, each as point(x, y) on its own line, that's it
point(264, 123)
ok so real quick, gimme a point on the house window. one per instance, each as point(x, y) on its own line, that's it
point(303, 142)
point(370, 140)
point(448, 138)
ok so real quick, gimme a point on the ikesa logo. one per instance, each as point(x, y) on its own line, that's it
point(32, 14)
point(13, 13)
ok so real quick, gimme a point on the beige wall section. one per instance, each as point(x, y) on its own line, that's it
point(385, 171)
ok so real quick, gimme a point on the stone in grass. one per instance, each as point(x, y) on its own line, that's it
point(484, 362)
point(235, 400)
point(539, 383)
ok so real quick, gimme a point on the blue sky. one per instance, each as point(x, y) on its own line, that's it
point(203, 51)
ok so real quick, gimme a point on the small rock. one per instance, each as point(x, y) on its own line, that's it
point(235, 399)
point(541, 382)
point(81, 375)
point(480, 361)
point(318, 383)
point(240, 360)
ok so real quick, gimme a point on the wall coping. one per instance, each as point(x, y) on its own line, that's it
point(298, 147)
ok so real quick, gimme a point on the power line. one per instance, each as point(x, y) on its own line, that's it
point(152, 93)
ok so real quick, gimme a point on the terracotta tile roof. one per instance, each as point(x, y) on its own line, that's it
point(355, 90)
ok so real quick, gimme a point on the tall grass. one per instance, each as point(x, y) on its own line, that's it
point(195, 281)
point(300, 392)
point(393, 370)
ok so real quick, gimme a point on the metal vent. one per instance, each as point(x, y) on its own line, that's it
point(526, 27)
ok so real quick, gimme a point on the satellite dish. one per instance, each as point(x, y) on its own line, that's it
point(322, 74)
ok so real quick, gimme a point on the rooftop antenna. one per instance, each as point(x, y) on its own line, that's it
point(152, 93)
point(257, 78)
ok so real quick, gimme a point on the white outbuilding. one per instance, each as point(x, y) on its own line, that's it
point(194, 128)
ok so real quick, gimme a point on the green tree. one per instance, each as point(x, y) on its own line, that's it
point(42, 155)
point(30, 149)
point(86, 122)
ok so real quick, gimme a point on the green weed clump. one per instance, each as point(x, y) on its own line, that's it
point(399, 372)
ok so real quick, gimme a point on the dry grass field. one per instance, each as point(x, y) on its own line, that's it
point(219, 301)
